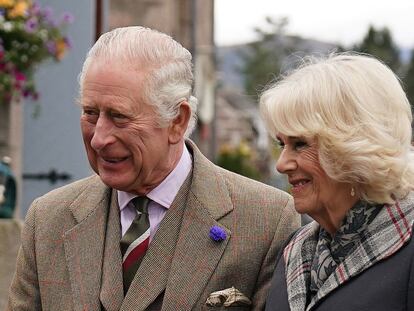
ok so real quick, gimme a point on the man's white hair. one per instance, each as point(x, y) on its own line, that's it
point(165, 63)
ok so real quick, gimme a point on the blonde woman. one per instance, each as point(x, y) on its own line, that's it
point(344, 126)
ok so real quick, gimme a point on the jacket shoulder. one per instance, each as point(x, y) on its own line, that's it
point(239, 184)
point(72, 190)
point(56, 203)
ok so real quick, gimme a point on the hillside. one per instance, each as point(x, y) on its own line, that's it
point(229, 59)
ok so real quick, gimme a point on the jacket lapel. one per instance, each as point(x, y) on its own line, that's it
point(195, 259)
point(112, 292)
point(182, 257)
point(151, 278)
point(84, 244)
point(196, 255)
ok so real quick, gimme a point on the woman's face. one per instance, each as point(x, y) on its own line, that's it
point(314, 192)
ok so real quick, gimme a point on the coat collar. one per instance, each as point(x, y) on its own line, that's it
point(389, 231)
point(209, 187)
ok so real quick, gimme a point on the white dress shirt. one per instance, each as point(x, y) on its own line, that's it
point(161, 196)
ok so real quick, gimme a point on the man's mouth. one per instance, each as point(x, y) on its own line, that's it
point(114, 160)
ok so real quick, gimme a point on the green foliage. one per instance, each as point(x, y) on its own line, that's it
point(238, 160)
point(379, 42)
point(409, 81)
point(262, 61)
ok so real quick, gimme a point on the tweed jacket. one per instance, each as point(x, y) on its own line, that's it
point(377, 275)
point(70, 257)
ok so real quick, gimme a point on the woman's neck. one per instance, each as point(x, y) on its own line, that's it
point(330, 218)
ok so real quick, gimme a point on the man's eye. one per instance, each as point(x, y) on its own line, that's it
point(89, 112)
point(90, 115)
point(118, 117)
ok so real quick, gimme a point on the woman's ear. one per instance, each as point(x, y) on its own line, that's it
point(179, 125)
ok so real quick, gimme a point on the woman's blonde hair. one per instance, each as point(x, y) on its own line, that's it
point(356, 109)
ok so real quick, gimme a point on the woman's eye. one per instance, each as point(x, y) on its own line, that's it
point(279, 144)
point(300, 144)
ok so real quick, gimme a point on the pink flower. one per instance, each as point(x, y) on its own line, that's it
point(31, 25)
point(19, 76)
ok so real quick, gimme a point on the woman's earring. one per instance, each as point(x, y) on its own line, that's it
point(352, 192)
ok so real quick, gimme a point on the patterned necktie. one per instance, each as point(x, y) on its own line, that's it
point(135, 242)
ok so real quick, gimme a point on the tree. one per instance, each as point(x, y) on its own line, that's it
point(239, 159)
point(409, 81)
point(380, 44)
point(262, 59)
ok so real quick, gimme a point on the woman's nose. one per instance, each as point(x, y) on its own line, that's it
point(286, 162)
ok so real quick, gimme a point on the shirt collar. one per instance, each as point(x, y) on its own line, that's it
point(166, 191)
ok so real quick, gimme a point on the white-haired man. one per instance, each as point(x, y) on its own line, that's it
point(159, 227)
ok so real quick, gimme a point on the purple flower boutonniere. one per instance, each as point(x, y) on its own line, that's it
point(217, 234)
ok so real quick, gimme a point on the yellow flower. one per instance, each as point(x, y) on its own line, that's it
point(6, 3)
point(60, 49)
point(244, 149)
point(225, 149)
point(19, 9)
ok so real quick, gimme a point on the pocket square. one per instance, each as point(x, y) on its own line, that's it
point(228, 297)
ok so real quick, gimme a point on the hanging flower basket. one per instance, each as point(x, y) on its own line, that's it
point(29, 35)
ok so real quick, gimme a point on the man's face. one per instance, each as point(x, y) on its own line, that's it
point(124, 144)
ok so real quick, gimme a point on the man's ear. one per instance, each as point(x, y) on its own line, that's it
point(179, 125)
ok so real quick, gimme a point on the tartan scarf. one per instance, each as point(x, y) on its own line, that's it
point(384, 235)
point(331, 251)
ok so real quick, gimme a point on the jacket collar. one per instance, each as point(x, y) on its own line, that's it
point(208, 186)
point(388, 232)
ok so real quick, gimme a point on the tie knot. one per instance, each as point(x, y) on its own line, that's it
point(141, 204)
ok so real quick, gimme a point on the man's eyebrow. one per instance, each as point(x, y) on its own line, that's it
point(87, 105)
point(87, 102)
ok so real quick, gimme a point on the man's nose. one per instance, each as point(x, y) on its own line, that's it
point(103, 134)
point(286, 162)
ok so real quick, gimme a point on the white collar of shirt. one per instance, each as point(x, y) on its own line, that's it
point(166, 191)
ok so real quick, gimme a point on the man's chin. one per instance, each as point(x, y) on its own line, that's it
point(112, 182)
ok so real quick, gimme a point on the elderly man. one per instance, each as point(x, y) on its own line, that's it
point(159, 227)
